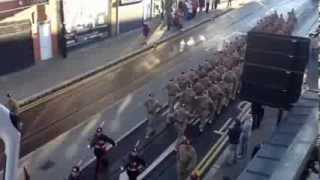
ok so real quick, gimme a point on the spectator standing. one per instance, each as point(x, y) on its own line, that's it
point(201, 5)
point(168, 10)
point(246, 129)
point(12, 104)
point(189, 6)
point(216, 2)
point(195, 5)
point(257, 112)
point(234, 136)
point(229, 3)
point(145, 32)
point(207, 6)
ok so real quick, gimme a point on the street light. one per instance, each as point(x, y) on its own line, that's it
point(11, 136)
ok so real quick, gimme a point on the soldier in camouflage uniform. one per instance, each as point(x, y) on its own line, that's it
point(173, 93)
point(182, 81)
point(230, 79)
point(152, 106)
point(187, 98)
point(205, 82)
point(193, 77)
point(217, 95)
point(181, 119)
point(198, 88)
point(186, 159)
point(213, 76)
point(205, 106)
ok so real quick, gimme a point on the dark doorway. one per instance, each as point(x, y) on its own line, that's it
point(16, 46)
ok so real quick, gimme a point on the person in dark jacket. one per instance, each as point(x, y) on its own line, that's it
point(234, 137)
point(75, 173)
point(135, 165)
point(257, 112)
point(145, 32)
point(100, 142)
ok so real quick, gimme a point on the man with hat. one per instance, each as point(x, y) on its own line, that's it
point(135, 165)
point(100, 143)
point(75, 173)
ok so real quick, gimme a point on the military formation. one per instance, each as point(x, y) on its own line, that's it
point(277, 24)
point(204, 91)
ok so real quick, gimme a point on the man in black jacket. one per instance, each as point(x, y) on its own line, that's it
point(135, 165)
point(75, 173)
point(257, 112)
point(234, 136)
point(99, 143)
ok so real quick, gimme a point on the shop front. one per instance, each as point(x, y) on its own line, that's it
point(85, 21)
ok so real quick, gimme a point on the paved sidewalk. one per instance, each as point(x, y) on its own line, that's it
point(52, 73)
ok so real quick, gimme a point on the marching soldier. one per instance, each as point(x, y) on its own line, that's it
point(193, 76)
point(186, 159)
point(12, 104)
point(173, 93)
point(181, 120)
point(225, 89)
point(182, 81)
point(152, 106)
point(214, 61)
point(230, 79)
point(214, 76)
point(201, 71)
point(206, 82)
point(216, 93)
point(207, 66)
point(198, 88)
point(205, 105)
point(187, 98)
point(238, 72)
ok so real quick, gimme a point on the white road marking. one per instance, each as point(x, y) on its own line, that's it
point(155, 163)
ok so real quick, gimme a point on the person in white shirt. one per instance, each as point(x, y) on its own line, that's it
point(246, 131)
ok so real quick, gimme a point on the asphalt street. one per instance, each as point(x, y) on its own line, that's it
point(47, 120)
point(116, 97)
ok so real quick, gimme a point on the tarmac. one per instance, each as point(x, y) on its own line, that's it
point(54, 160)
